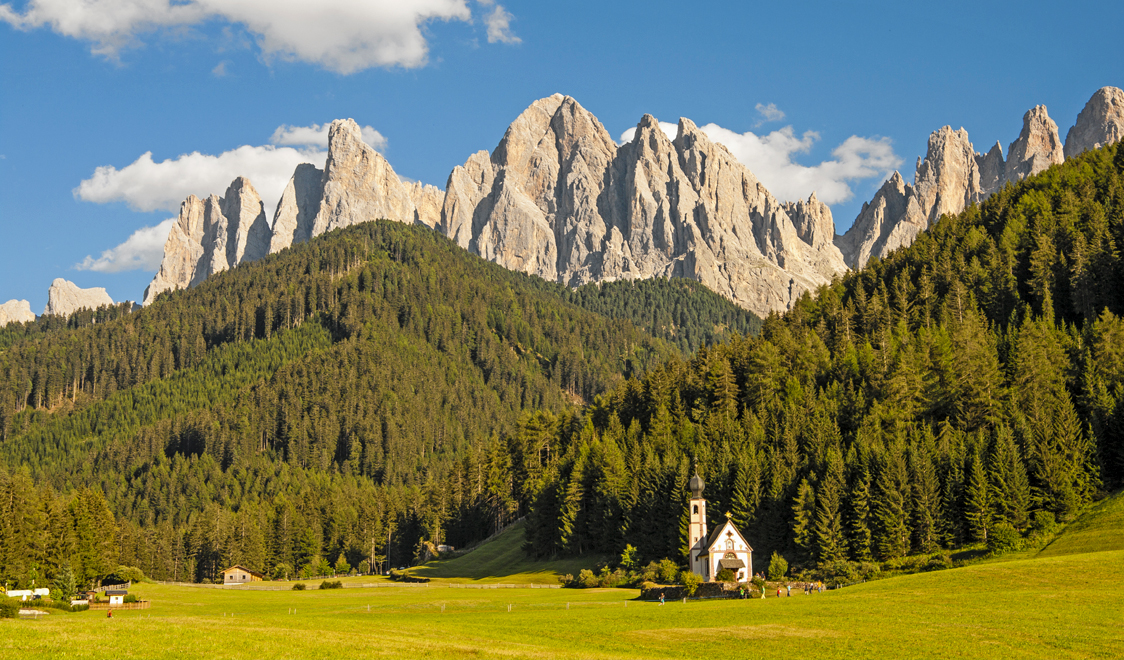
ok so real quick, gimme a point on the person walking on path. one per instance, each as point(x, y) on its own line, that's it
point(789, 588)
point(661, 598)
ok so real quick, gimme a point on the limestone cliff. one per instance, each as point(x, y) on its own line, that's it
point(64, 298)
point(296, 212)
point(559, 199)
point(359, 185)
point(16, 311)
point(210, 236)
point(1037, 147)
point(950, 178)
point(1100, 123)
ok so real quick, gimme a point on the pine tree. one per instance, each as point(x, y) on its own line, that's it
point(926, 499)
point(1009, 484)
point(891, 505)
point(977, 503)
point(858, 528)
point(804, 515)
point(828, 537)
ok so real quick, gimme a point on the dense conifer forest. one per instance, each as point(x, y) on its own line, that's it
point(345, 396)
point(355, 397)
point(967, 389)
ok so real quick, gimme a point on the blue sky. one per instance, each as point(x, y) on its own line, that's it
point(99, 83)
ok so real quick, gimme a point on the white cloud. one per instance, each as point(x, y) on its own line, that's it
point(340, 35)
point(769, 113)
point(143, 250)
point(770, 158)
point(499, 25)
point(220, 70)
point(316, 135)
point(147, 185)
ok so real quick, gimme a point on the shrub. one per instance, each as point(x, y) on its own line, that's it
point(690, 582)
point(630, 558)
point(331, 584)
point(725, 575)
point(587, 580)
point(668, 571)
point(342, 567)
point(300, 586)
point(365, 567)
point(567, 581)
point(123, 574)
point(1003, 538)
point(778, 566)
point(129, 598)
point(282, 571)
point(9, 608)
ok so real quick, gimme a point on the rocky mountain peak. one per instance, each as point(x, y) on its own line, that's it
point(358, 184)
point(245, 213)
point(64, 298)
point(1037, 147)
point(948, 179)
point(1100, 123)
point(16, 311)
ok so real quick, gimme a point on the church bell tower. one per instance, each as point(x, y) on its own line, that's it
point(698, 559)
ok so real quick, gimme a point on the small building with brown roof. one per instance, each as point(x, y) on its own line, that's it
point(239, 574)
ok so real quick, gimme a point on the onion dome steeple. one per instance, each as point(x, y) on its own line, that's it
point(696, 485)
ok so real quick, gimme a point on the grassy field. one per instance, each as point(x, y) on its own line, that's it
point(1057, 605)
point(1100, 528)
point(502, 560)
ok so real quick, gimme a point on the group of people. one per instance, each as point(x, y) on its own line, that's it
point(809, 588)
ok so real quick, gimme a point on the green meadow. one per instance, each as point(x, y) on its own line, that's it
point(1066, 602)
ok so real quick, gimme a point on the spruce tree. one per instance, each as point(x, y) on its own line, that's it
point(977, 499)
point(858, 527)
point(803, 515)
point(827, 532)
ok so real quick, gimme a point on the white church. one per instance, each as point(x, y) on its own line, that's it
point(725, 547)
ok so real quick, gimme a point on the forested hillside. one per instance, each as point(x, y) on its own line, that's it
point(327, 401)
point(966, 388)
point(377, 388)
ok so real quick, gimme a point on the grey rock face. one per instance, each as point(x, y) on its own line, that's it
point(296, 212)
point(1037, 147)
point(885, 223)
point(1100, 123)
point(210, 236)
point(249, 231)
point(991, 168)
point(64, 298)
point(428, 201)
point(558, 199)
point(359, 185)
point(16, 311)
point(182, 251)
point(950, 178)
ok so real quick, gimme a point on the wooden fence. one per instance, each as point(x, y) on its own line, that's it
point(139, 605)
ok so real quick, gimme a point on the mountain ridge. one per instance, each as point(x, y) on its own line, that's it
point(558, 198)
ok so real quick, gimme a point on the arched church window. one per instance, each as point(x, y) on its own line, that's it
point(696, 508)
point(729, 544)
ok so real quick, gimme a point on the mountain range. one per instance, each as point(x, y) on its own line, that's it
point(558, 198)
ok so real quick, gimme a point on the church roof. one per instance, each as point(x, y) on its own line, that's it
point(716, 534)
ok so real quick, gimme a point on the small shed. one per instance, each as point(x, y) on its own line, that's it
point(238, 574)
point(116, 596)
